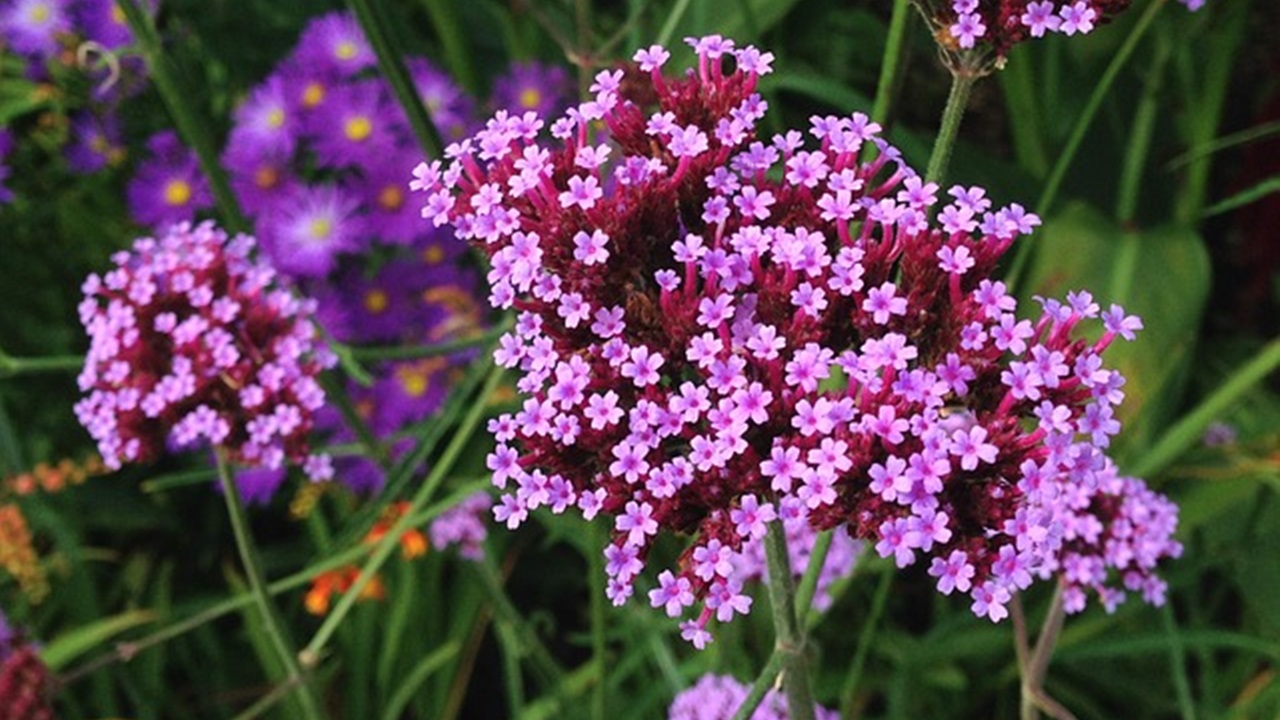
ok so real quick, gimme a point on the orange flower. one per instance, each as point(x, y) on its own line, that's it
point(18, 555)
point(336, 582)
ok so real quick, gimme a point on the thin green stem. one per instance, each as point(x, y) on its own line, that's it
point(1034, 697)
point(673, 20)
point(1140, 137)
point(453, 42)
point(270, 700)
point(417, 352)
point(809, 581)
point(761, 687)
point(891, 60)
point(789, 639)
point(849, 691)
point(1050, 193)
point(391, 63)
point(189, 121)
point(1226, 142)
point(272, 623)
point(1187, 431)
point(13, 366)
point(127, 650)
point(957, 100)
point(598, 646)
point(1178, 664)
point(387, 545)
point(506, 615)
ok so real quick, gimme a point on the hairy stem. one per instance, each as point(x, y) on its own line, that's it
point(789, 637)
point(957, 100)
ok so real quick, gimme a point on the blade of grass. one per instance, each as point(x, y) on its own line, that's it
point(416, 677)
point(1244, 197)
point(391, 63)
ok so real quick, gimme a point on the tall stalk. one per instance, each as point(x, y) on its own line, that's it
point(957, 100)
point(277, 634)
point(789, 635)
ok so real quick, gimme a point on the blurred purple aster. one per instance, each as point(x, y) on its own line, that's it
point(265, 119)
point(306, 87)
point(260, 179)
point(383, 189)
point(95, 142)
point(6, 147)
point(307, 232)
point(31, 27)
point(168, 186)
point(103, 22)
point(525, 86)
point(355, 127)
point(377, 309)
point(451, 110)
point(257, 485)
point(334, 43)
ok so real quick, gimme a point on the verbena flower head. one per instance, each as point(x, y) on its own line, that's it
point(716, 330)
point(168, 186)
point(26, 687)
point(975, 36)
point(718, 697)
point(194, 342)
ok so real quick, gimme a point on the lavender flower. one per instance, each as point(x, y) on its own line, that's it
point(95, 142)
point(193, 342)
point(32, 27)
point(708, 323)
point(718, 697)
point(168, 186)
point(464, 526)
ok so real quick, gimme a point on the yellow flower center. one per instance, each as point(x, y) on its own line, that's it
point(177, 192)
point(376, 301)
point(117, 15)
point(99, 145)
point(391, 198)
point(414, 383)
point(275, 119)
point(313, 94)
point(266, 177)
point(433, 255)
point(39, 14)
point(345, 50)
point(358, 128)
point(530, 98)
point(320, 228)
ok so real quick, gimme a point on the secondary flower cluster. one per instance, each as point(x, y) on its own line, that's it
point(715, 332)
point(25, 684)
point(195, 342)
point(718, 697)
point(998, 25)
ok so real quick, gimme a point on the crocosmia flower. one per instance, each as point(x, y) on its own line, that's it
point(718, 330)
point(193, 343)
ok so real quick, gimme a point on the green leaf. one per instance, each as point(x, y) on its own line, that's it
point(72, 644)
point(1245, 197)
point(1161, 275)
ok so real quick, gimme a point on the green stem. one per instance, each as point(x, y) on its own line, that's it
point(761, 687)
point(891, 60)
point(1037, 665)
point(453, 41)
point(849, 691)
point(1050, 193)
point(507, 616)
point(789, 639)
point(1178, 665)
point(1139, 146)
point(957, 100)
point(673, 20)
point(387, 545)
point(391, 63)
point(13, 366)
point(809, 581)
point(190, 123)
point(598, 646)
point(127, 650)
point(268, 701)
point(1187, 431)
point(417, 352)
point(271, 620)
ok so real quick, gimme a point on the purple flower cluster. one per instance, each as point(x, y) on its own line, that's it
point(716, 331)
point(319, 155)
point(194, 342)
point(47, 34)
point(464, 526)
point(998, 25)
point(718, 697)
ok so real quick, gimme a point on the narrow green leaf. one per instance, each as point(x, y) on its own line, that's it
point(74, 643)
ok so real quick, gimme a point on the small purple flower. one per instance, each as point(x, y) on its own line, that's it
point(32, 27)
point(307, 233)
point(168, 186)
